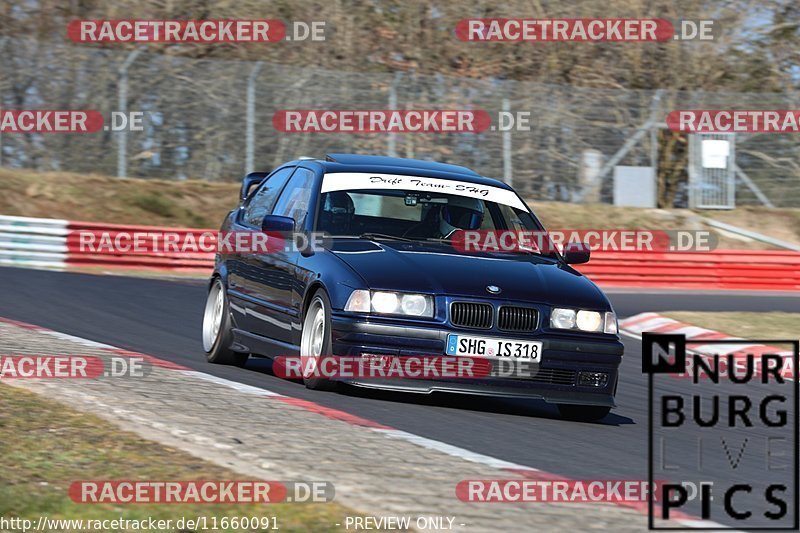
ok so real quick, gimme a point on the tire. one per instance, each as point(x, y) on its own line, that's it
point(583, 413)
point(217, 328)
point(315, 339)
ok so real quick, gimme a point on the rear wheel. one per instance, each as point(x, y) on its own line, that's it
point(315, 341)
point(217, 328)
point(583, 413)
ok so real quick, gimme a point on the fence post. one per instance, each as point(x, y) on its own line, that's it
point(2, 45)
point(250, 119)
point(507, 166)
point(391, 145)
point(654, 129)
point(122, 105)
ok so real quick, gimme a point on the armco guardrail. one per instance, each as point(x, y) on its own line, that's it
point(720, 269)
point(41, 242)
point(54, 243)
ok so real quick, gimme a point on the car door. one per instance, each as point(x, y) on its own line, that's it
point(293, 203)
point(248, 276)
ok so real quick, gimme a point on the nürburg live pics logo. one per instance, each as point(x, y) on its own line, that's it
point(723, 433)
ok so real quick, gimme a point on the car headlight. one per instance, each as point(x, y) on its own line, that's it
point(414, 304)
point(589, 321)
point(390, 303)
point(583, 320)
point(385, 302)
point(562, 318)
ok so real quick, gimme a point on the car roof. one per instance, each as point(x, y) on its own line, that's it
point(398, 165)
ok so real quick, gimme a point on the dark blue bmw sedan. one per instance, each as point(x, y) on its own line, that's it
point(388, 282)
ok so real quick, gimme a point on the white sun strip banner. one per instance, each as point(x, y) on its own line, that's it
point(352, 181)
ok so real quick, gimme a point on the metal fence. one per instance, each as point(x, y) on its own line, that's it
point(196, 122)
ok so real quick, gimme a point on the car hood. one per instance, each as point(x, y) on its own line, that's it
point(439, 269)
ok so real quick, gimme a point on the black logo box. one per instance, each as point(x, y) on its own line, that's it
point(678, 366)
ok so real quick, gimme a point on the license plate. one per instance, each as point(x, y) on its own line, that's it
point(494, 348)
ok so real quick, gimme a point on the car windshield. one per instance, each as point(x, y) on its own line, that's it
point(414, 215)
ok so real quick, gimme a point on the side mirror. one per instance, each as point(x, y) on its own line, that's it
point(249, 181)
point(576, 253)
point(277, 223)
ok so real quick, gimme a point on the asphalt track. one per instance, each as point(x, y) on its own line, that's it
point(163, 318)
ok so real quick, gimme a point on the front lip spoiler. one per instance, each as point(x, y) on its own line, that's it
point(554, 396)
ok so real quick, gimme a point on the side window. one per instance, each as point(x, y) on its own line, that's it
point(296, 196)
point(488, 223)
point(515, 219)
point(260, 205)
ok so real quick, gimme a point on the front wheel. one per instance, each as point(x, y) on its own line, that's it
point(583, 413)
point(315, 341)
point(217, 334)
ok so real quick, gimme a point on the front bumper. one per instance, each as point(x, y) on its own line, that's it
point(564, 356)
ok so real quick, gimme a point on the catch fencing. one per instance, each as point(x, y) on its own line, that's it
point(211, 119)
point(51, 243)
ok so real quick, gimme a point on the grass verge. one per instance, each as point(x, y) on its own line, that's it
point(45, 446)
point(748, 325)
point(91, 198)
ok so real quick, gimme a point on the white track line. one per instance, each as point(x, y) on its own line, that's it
point(241, 387)
point(454, 451)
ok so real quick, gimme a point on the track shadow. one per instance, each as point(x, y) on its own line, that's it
point(486, 404)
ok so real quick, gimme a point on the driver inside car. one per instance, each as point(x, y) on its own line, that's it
point(442, 221)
